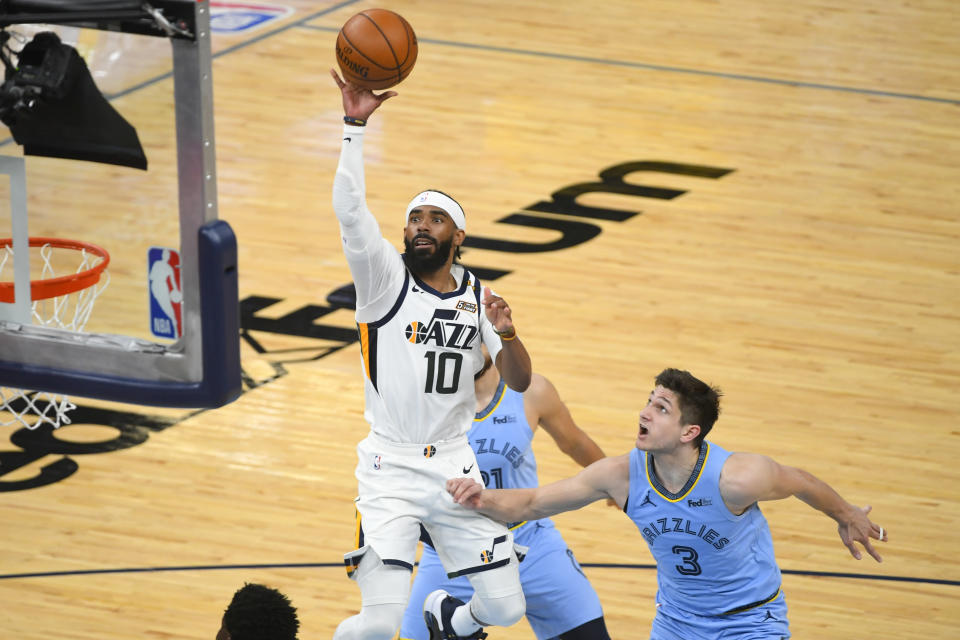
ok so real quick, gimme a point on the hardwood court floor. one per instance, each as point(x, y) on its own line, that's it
point(809, 268)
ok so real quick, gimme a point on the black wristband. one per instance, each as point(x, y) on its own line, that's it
point(355, 121)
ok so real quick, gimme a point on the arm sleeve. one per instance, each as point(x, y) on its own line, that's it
point(374, 263)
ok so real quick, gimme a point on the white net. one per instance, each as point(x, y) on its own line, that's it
point(69, 310)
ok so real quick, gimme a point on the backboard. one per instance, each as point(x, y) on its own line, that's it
point(197, 364)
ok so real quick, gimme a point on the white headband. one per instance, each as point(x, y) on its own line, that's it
point(441, 201)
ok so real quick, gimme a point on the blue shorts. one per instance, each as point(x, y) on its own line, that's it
point(766, 622)
point(559, 596)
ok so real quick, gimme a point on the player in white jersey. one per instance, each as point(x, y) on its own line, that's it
point(697, 508)
point(421, 319)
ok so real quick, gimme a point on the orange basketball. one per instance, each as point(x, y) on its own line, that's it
point(376, 49)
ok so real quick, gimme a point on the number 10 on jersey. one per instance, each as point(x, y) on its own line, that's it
point(442, 376)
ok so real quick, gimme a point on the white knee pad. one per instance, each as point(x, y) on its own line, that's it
point(382, 583)
point(384, 589)
point(374, 622)
point(498, 597)
point(501, 611)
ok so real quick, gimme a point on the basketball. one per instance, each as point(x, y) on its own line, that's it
point(376, 49)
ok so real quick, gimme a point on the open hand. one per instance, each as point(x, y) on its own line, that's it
point(357, 101)
point(859, 528)
point(498, 311)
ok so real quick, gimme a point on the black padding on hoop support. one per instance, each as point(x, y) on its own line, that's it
point(219, 301)
point(69, 118)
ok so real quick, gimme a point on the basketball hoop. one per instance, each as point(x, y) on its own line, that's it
point(72, 276)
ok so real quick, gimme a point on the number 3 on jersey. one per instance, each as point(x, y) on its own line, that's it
point(689, 556)
point(443, 377)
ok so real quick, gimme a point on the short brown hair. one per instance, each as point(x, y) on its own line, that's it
point(699, 401)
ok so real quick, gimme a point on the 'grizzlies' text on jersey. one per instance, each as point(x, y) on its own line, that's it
point(501, 440)
point(709, 561)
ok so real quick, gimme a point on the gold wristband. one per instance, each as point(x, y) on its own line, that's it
point(508, 335)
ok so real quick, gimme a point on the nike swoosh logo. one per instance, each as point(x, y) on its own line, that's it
point(467, 469)
point(415, 290)
point(348, 139)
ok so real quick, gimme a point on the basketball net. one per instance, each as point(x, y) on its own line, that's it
point(65, 306)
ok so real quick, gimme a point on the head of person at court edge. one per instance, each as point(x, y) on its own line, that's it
point(258, 612)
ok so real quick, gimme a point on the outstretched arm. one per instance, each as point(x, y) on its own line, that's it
point(371, 258)
point(606, 478)
point(747, 478)
point(555, 418)
point(349, 188)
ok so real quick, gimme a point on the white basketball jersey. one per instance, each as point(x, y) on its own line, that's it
point(420, 359)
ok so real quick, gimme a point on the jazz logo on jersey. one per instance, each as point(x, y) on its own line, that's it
point(166, 296)
point(443, 330)
point(486, 556)
point(430, 451)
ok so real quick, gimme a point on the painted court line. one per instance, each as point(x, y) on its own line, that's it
point(671, 69)
point(321, 565)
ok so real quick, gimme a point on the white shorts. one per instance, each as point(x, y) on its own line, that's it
point(402, 486)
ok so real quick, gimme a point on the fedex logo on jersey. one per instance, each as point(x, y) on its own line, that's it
point(443, 330)
point(236, 17)
point(166, 296)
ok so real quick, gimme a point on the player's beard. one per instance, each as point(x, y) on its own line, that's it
point(426, 262)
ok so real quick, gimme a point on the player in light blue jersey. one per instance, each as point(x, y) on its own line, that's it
point(696, 505)
point(561, 603)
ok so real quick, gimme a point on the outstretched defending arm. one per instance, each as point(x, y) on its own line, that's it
point(748, 478)
point(554, 416)
point(605, 478)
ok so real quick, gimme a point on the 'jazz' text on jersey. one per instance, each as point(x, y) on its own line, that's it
point(443, 330)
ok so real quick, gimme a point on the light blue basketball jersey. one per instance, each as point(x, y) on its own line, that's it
point(559, 596)
point(710, 562)
point(502, 441)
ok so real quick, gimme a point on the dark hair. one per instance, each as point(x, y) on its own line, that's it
point(699, 402)
point(260, 613)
